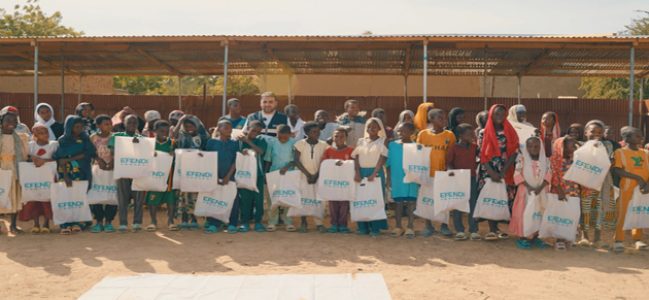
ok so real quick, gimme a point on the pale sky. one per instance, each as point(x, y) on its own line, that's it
point(187, 17)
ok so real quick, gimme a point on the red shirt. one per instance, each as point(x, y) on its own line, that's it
point(461, 157)
point(333, 153)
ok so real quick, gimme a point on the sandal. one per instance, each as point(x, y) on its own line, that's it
point(538, 243)
point(584, 243)
point(66, 231)
point(460, 236)
point(491, 236)
point(45, 230)
point(290, 228)
point(173, 227)
point(523, 244)
point(151, 228)
point(503, 236)
point(560, 246)
point(36, 230)
point(474, 236)
point(397, 232)
point(270, 228)
point(410, 234)
point(76, 228)
point(618, 247)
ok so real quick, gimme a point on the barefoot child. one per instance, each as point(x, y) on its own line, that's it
point(369, 156)
point(439, 140)
point(462, 155)
point(403, 194)
point(561, 160)
point(632, 165)
point(250, 201)
point(104, 214)
point(41, 150)
point(339, 210)
point(532, 176)
point(279, 156)
point(163, 143)
point(308, 155)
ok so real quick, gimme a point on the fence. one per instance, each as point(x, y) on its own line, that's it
point(612, 112)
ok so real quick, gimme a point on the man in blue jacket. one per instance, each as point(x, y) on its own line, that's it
point(268, 115)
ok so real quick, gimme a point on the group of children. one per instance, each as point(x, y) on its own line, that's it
point(532, 165)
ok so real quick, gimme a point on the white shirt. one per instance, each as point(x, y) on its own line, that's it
point(43, 151)
point(298, 130)
point(369, 152)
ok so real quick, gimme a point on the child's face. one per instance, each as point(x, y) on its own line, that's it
point(105, 126)
point(45, 113)
point(548, 120)
point(533, 147)
point(373, 129)
point(86, 112)
point(253, 132)
point(573, 132)
point(225, 130)
point(405, 132)
point(635, 138)
point(407, 118)
point(41, 134)
point(569, 148)
point(189, 127)
point(468, 136)
point(438, 120)
point(235, 108)
point(459, 118)
point(9, 123)
point(162, 133)
point(313, 134)
point(77, 128)
point(340, 138)
point(521, 116)
point(293, 113)
point(499, 115)
point(379, 115)
point(322, 117)
point(131, 124)
point(353, 109)
point(283, 137)
point(594, 132)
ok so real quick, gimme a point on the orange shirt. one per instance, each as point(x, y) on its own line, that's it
point(439, 144)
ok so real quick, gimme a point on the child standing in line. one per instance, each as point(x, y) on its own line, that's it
point(190, 133)
point(13, 149)
point(462, 155)
point(562, 155)
point(498, 147)
point(307, 156)
point(326, 128)
point(550, 130)
point(227, 149)
point(41, 150)
point(598, 208)
point(339, 210)
point(369, 156)
point(163, 143)
point(403, 194)
point(532, 175)
point(104, 214)
point(631, 164)
point(439, 140)
point(253, 140)
point(294, 121)
point(353, 120)
point(279, 156)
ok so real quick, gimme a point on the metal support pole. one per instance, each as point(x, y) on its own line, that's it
point(631, 83)
point(405, 91)
point(425, 72)
point(180, 93)
point(290, 89)
point(640, 102)
point(80, 89)
point(35, 73)
point(225, 79)
point(62, 89)
point(484, 78)
point(518, 90)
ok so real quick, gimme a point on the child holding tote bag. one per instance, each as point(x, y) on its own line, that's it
point(13, 149)
point(369, 156)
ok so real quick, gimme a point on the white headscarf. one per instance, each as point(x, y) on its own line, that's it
point(382, 133)
point(527, 165)
point(48, 123)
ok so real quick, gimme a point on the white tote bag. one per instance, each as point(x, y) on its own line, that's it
point(158, 180)
point(178, 174)
point(452, 190)
point(199, 171)
point(336, 183)
point(103, 189)
point(368, 204)
point(246, 174)
point(425, 207)
point(309, 204)
point(416, 163)
point(590, 165)
point(133, 160)
point(492, 203)
point(637, 214)
point(218, 203)
point(284, 189)
point(36, 182)
point(6, 181)
point(70, 204)
point(533, 213)
point(560, 218)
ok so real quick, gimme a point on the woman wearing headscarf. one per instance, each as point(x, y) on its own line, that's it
point(44, 115)
point(455, 117)
point(370, 156)
point(21, 127)
point(421, 117)
point(518, 114)
point(85, 110)
point(150, 117)
point(550, 130)
point(13, 149)
point(406, 116)
point(74, 157)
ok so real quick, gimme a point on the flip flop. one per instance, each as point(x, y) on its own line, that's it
point(397, 232)
point(410, 234)
point(491, 236)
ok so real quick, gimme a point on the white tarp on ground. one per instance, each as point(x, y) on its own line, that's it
point(318, 287)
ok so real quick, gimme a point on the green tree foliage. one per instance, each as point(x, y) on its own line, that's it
point(190, 85)
point(618, 88)
point(29, 20)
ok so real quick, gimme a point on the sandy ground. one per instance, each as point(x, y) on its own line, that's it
point(64, 267)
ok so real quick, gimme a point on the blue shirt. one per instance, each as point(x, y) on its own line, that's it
point(227, 154)
point(395, 163)
point(278, 154)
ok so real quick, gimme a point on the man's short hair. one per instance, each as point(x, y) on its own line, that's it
point(350, 102)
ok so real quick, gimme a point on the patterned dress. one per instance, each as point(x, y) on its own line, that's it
point(599, 209)
point(496, 163)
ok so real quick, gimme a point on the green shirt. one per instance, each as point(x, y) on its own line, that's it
point(111, 141)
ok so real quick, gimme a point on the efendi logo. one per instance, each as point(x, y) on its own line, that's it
point(559, 221)
point(158, 174)
point(417, 169)
point(494, 202)
point(427, 200)
point(365, 203)
point(104, 188)
point(588, 167)
point(639, 210)
point(70, 205)
point(449, 196)
point(133, 162)
point(536, 216)
point(311, 202)
point(332, 183)
point(37, 186)
point(283, 193)
point(198, 175)
point(214, 202)
point(243, 174)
